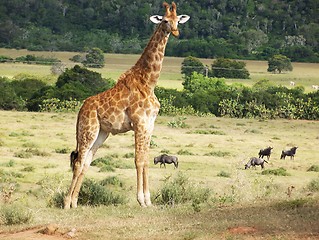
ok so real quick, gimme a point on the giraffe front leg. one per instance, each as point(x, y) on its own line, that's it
point(140, 191)
point(147, 195)
point(142, 141)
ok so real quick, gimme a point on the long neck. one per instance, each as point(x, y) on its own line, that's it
point(150, 62)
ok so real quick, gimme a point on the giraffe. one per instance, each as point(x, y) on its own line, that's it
point(130, 105)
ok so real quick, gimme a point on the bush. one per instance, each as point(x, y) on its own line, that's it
point(115, 181)
point(277, 172)
point(313, 186)
point(56, 105)
point(227, 68)
point(180, 190)
point(95, 194)
point(313, 168)
point(4, 59)
point(223, 174)
point(191, 64)
point(32, 59)
point(94, 58)
point(12, 214)
point(218, 154)
point(293, 204)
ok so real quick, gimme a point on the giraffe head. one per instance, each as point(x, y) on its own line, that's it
point(170, 20)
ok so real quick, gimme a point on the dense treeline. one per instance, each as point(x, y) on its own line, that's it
point(201, 95)
point(218, 28)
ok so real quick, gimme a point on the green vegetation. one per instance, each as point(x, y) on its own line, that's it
point(313, 168)
point(178, 190)
point(230, 29)
point(227, 68)
point(213, 193)
point(32, 59)
point(277, 172)
point(12, 214)
point(279, 63)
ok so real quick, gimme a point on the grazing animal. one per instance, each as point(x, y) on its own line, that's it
point(291, 152)
point(265, 152)
point(164, 158)
point(292, 83)
point(130, 105)
point(254, 161)
point(316, 87)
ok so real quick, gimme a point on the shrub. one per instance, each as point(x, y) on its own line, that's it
point(223, 174)
point(184, 152)
point(277, 172)
point(179, 123)
point(94, 194)
point(94, 58)
point(4, 59)
point(313, 168)
point(313, 186)
point(104, 163)
point(62, 150)
point(180, 190)
point(22, 154)
point(212, 132)
point(293, 204)
point(115, 181)
point(12, 214)
point(128, 155)
point(227, 68)
point(28, 169)
point(32, 59)
point(191, 64)
point(11, 163)
point(218, 154)
point(56, 105)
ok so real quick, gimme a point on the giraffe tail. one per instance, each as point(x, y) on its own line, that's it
point(73, 158)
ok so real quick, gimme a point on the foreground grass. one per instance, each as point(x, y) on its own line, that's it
point(304, 74)
point(240, 198)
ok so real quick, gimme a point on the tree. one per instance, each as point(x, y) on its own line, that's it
point(192, 64)
point(227, 68)
point(81, 83)
point(94, 58)
point(279, 63)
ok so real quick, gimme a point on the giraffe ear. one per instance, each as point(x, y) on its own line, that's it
point(156, 19)
point(183, 18)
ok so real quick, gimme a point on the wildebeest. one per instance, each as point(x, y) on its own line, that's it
point(291, 152)
point(254, 161)
point(164, 158)
point(265, 152)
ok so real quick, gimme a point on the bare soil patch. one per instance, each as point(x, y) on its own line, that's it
point(50, 232)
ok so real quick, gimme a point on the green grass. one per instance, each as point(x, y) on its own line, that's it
point(46, 174)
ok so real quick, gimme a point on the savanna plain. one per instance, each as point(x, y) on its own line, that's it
point(212, 152)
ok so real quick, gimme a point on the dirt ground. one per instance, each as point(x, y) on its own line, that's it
point(52, 232)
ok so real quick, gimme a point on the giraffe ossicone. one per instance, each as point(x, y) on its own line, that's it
point(130, 105)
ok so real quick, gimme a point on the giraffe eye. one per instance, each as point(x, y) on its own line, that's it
point(165, 21)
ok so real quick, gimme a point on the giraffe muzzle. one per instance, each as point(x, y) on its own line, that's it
point(175, 33)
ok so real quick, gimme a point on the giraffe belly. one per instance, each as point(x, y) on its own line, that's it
point(120, 124)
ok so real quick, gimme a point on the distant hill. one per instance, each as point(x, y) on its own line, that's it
point(244, 29)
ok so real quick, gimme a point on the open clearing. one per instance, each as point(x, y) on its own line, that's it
point(303, 74)
point(244, 205)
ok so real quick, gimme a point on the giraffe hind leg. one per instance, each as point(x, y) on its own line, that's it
point(80, 165)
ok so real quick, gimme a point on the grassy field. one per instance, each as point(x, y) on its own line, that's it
point(303, 74)
point(244, 203)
